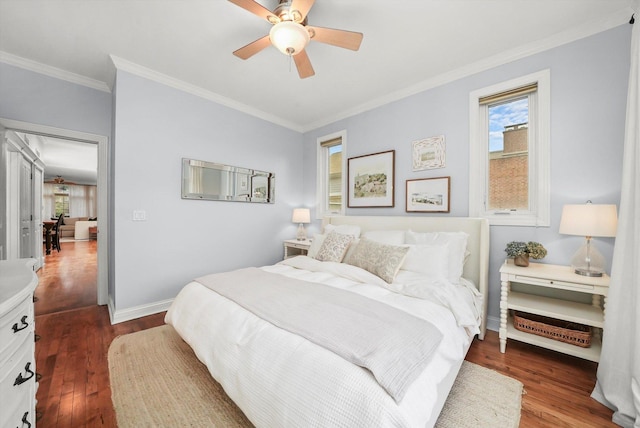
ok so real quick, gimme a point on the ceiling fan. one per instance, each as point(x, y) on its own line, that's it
point(290, 33)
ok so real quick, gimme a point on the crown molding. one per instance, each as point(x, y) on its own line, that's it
point(147, 73)
point(576, 33)
point(568, 36)
point(54, 72)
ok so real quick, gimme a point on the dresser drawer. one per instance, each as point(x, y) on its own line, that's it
point(15, 326)
point(20, 418)
point(18, 382)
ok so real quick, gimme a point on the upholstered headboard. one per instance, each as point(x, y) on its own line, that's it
point(476, 268)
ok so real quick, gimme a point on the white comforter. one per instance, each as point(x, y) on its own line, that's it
point(279, 379)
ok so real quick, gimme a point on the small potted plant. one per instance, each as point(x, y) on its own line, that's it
point(521, 251)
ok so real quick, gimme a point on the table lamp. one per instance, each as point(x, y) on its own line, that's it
point(589, 220)
point(301, 216)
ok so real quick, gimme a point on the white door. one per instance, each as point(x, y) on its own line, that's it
point(36, 206)
point(26, 201)
point(4, 166)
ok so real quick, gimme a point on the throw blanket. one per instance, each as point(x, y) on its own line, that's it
point(393, 345)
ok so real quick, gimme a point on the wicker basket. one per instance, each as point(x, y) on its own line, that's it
point(564, 331)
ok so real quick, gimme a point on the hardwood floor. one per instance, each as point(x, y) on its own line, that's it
point(557, 386)
point(76, 333)
point(68, 279)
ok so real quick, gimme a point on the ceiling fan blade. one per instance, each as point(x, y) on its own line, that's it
point(257, 9)
point(341, 38)
point(303, 65)
point(302, 6)
point(253, 48)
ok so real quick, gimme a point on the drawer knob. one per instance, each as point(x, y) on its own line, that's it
point(24, 325)
point(20, 380)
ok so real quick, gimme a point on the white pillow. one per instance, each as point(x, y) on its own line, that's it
point(316, 243)
point(390, 237)
point(457, 248)
point(431, 260)
point(379, 259)
point(334, 247)
point(345, 229)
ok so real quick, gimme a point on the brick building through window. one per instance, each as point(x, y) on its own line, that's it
point(509, 171)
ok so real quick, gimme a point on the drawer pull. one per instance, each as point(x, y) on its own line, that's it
point(25, 421)
point(24, 325)
point(20, 380)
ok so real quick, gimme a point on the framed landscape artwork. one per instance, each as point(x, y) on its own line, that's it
point(428, 153)
point(371, 180)
point(428, 195)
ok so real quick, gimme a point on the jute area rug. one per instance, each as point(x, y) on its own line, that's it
point(157, 381)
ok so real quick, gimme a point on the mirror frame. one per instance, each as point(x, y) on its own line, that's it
point(243, 184)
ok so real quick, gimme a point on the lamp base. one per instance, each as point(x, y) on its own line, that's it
point(588, 261)
point(586, 272)
point(301, 234)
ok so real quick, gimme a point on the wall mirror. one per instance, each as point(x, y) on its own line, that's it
point(218, 182)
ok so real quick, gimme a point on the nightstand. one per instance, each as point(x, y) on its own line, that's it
point(293, 247)
point(557, 278)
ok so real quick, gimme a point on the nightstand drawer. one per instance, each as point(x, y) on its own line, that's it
point(554, 283)
point(300, 246)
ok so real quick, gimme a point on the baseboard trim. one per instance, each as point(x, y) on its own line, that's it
point(118, 316)
point(493, 323)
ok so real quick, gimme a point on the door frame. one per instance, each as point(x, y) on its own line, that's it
point(103, 188)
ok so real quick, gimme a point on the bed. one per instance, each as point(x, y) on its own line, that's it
point(284, 367)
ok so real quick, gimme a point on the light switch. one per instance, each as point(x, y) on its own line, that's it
point(139, 215)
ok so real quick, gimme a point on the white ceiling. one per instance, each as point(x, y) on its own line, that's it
point(76, 162)
point(408, 46)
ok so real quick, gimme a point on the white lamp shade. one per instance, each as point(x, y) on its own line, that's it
point(289, 37)
point(301, 215)
point(589, 220)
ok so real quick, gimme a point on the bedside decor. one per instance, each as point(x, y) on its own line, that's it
point(301, 216)
point(428, 195)
point(564, 331)
point(428, 153)
point(589, 220)
point(522, 251)
point(371, 180)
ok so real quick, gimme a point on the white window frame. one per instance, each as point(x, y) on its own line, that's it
point(322, 168)
point(539, 153)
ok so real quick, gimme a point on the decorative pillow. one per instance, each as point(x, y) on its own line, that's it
point(457, 248)
point(345, 229)
point(380, 259)
point(431, 260)
point(316, 243)
point(334, 247)
point(351, 249)
point(391, 237)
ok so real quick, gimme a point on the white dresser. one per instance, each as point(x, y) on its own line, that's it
point(17, 347)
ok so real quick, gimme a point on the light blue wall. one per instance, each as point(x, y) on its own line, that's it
point(155, 127)
point(35, 98)
point(588, 99)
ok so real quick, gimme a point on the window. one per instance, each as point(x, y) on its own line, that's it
point(61, 199)
point(509, 152)
point(331, 174)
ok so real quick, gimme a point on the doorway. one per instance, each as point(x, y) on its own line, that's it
point(102, 143)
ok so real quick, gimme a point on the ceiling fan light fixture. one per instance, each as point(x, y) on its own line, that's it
point(289, 37)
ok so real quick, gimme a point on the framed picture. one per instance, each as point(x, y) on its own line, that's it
point(371, 180)
point(428, 153)
point(428, 195)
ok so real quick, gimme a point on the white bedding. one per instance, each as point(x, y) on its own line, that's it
point(279, 379)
